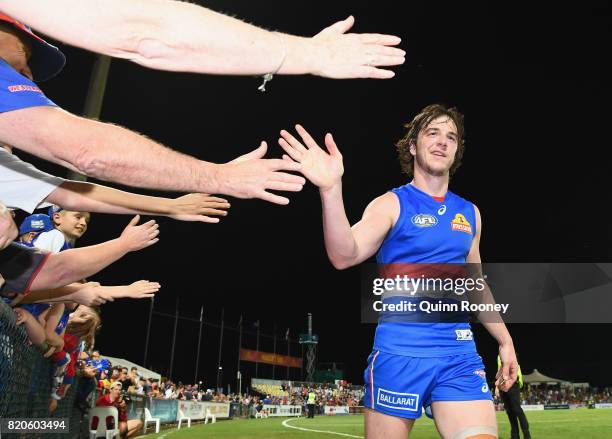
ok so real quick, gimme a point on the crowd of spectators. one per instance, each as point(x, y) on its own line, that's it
point(246, 404)
point(330, 394)
point(566, 395)
point(581, 396)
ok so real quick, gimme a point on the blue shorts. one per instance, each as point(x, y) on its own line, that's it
point(403, 386)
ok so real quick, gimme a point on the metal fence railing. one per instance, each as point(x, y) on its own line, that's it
point(25, 380)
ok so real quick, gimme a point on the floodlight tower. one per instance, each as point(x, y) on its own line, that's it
point(310, 340)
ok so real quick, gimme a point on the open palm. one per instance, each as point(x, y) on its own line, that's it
point(323, 169)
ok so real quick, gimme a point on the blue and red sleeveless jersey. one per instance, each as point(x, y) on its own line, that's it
point(427, 231)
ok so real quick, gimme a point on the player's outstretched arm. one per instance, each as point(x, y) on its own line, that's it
point(492, 321)
point(79, 263)
point(112, 153)
point(180, 36)
point(89, 197)
point(345, 246)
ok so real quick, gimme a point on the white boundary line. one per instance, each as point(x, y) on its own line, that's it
point(162, 435)
point(286, 424)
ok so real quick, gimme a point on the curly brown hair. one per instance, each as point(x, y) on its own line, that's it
point(420, 122)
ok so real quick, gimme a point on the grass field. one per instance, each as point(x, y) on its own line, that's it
point(553, 424)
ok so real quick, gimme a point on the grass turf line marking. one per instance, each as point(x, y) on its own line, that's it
point(286, 424)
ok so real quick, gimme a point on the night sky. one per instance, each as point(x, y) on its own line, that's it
point(534, 87)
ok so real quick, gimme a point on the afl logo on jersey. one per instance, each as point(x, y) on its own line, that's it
point(460, 224)
point(424, 220)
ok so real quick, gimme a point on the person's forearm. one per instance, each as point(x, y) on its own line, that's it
point(119, 155)
point(90, 197)
point(499, 332)
point(78, 263)
point(491, 320)
point(52, 319)
point(339, 240)
point(166, 34)
point(60, 294)
point(116, 292)
point(109, 152)
point(113, 153)
point(53, 338)
point(35, 331)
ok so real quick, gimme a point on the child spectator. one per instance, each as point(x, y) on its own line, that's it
point(32, 226)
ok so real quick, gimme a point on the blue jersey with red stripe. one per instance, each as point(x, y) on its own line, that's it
point(427, 231)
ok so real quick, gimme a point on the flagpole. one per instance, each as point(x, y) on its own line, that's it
point(274, 347)
point(195, 377)
point(220, 347)
point(144, 361)
point(174, 338)
point(239, 348)
point(288, 350)
point(257, 349)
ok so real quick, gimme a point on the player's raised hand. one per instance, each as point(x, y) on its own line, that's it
point(508, 372)
point(198, 207)
point(252, 176)
point(321, 168)
point(136, 237)
point(339, 54)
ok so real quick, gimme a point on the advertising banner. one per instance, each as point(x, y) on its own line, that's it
point(283, 410)
point(219, 409)
point(269, 358)
point(135, 408)
point(192, 409)
point(556, 407)
point(197, 409)
point(532, 407)
point(336, 410)
point(165, 409)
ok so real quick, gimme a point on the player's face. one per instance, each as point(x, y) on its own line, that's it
point(72, 224)
point(436, 146)
point(15, 50)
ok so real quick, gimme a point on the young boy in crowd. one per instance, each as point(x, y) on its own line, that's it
point(32, 226)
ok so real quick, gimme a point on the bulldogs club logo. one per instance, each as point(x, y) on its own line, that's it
point(461, 224)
